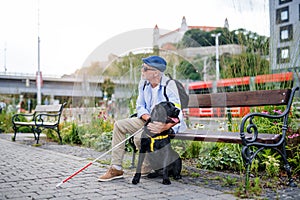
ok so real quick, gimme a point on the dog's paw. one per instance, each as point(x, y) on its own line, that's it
point(136, 179)
point(166, 182)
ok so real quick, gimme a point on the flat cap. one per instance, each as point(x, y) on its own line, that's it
point(156, 62)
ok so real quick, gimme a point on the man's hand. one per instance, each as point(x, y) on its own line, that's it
point(159, 127)
point(145, 117)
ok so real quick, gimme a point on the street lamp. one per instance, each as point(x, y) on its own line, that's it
point(217, 54)
point(39, 77)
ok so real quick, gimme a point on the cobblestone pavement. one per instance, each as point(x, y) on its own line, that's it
point(28, 172)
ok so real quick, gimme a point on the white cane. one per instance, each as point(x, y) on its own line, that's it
point(102, 155)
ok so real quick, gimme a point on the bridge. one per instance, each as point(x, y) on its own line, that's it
point(56, 86)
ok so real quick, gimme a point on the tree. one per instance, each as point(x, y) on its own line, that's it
point(188, 71)
point(249, 63)
point(253, 42)
point(108, 86)
point(196, 38)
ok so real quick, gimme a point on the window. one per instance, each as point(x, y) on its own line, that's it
point(282, 15)
point(283, 55)
point(286, 33)
point(284, 1)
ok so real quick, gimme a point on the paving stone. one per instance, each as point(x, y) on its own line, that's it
point(28, 172)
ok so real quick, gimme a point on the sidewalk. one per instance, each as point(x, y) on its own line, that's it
point(29, 172)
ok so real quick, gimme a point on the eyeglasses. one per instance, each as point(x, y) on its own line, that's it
point(145, 68)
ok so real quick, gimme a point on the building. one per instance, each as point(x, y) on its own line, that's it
point(175, 36)
point(284, 35)
point(168, 42)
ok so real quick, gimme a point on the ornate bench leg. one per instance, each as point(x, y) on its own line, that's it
point(32, 129)
point(37, 133)
point(247, 176)
point(291, 180)
point(37, 138)
point(246, 157)
point(15, 134)
point(287, 166)
point(60, 139)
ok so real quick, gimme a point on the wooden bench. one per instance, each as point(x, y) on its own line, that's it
point(252, 142)
point(44, 117)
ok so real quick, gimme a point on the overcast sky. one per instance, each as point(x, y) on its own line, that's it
point(70, 30)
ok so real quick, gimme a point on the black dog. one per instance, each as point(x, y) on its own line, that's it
point(161, 155)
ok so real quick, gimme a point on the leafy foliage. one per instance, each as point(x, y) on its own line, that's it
point(268, 160)
point(212, 156)
point(293, 150)
point(266, 125)
point(197, 38)
point(5, 122)
point(294, 158)
point(189, 71)
point(250, 63)
point(253, 42)
point(108, 86)
point(96, 134)
point(193, 149)
point(221, 156)
point(245, 64)
point(71, 136)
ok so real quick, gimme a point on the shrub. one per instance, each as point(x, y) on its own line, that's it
point(72, 136)
point(221, 156)
point(96, 134)
point(5, 122)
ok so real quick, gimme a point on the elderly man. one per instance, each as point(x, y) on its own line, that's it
point(151, 92)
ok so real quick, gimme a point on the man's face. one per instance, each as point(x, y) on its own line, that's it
point(148, 72)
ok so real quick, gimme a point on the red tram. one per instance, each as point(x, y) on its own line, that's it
point(260, 82)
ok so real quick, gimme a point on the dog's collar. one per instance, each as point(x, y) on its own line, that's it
point(159, 137)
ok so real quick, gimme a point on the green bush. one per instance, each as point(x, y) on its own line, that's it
point(24, 129)
point(96, 134)
point(293, 150)
point(267, 125)
point(71, 136)
point(212, 156)
point(193, 149)
point(220, 156)
point(6, 123)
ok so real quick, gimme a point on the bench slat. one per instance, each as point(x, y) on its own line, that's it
point(24, 123)
point(221, 136)
point(32, 123)
point(48, 108)
point(240, 99)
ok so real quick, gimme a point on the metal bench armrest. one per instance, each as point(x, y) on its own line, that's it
point(39, 118)
point(16, 117)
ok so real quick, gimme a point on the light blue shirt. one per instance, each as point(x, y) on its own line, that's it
point(143, 103)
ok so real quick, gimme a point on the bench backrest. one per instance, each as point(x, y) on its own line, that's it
point(49, 108)
point(240, 99)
